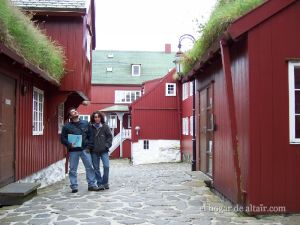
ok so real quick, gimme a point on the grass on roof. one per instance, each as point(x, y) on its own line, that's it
point(19, 33)
point(224, 13)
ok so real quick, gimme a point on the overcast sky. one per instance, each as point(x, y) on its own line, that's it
point(148, 24)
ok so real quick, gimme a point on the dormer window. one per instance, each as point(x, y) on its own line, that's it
point(135, 70)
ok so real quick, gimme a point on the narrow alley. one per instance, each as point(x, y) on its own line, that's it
point(167, 193)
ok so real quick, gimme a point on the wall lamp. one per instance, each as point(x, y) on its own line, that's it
point(137, 130)
point(178, 62)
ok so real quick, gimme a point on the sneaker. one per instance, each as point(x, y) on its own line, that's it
point(106, 186)
point(101, 187)
point(94, 188)
point(74, 190)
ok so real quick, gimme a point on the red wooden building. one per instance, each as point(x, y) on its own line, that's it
point(32, 103)
point(156, 119)
point(117, 81)
point(187, 121)
point(247, 102)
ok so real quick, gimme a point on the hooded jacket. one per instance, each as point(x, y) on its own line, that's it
point(102, 138)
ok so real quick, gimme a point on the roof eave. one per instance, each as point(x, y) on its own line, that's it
point(19, 59)
point(238, 28)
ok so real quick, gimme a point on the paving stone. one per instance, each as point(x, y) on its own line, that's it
point(160, 194)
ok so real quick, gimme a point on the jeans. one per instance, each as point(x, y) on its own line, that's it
point(87, 162)
point(96, 163)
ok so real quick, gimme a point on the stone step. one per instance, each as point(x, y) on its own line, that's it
point(17, 193)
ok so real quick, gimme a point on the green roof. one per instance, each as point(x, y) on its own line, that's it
point(153, 65)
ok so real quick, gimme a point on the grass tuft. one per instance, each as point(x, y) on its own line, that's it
point(224, 13)
point(18, 32)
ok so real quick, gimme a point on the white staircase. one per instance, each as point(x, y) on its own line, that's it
point(126, 134)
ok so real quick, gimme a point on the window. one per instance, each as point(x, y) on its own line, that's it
point(146, 144)
point(170, 89)
point(84, 117)
point(109, 69)
point(185, 126)
point(88, 46)
point(60, 117)
point(184, 91)
point(191, 125)
point(112, 121)
point(38, 112)
point(129, 121)
point(135, 70)
point(294, 101)
point(126, 96)
point(191, 88)
point(110, 56)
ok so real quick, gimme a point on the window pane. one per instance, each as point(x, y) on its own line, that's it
point(297, 102)
point(297, 126)
point(132, 96)
point(297, 77)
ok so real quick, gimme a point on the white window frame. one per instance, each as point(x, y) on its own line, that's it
point(60, 116)
point(191, 125)
point(184, 91)
point(88, 46)
point(168, 93)
point(191, 88)
point(292, 105)
point(133, 66)
point(85, 117)
point(112, 121)
point(37, 112)
point(126, 96)
point(185, 126)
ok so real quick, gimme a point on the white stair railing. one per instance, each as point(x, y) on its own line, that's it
point(126, 134)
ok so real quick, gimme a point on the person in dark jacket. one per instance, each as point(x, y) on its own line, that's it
point(77, 137)
point(102, 142)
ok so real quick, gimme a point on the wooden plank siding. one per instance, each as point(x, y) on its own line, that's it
point(157, 114)
point(274, 171)
point(72, 36)
point(32, 153)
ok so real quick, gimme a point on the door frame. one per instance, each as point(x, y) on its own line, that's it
point(209, 87)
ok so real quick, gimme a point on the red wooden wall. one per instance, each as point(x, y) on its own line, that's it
point(186, 111)
point(156, 114)
point(32, 153)
point(104, 96)
point(274, 169)
point(71, 35)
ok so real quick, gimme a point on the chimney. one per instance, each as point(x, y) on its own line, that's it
point(168, 48)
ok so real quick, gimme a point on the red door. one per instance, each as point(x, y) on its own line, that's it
point(7, 130)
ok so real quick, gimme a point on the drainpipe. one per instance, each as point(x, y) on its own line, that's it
point(225, 54)
point(194, 123)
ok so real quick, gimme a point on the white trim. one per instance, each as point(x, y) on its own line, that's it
point(184, 91)
point(85, 117)
point(191, 125)
point(60, 116)
point(37, 111)
point(169, 91)
point(191, 88)
point(125, 96)
point(133, 70)
point(292, 106)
